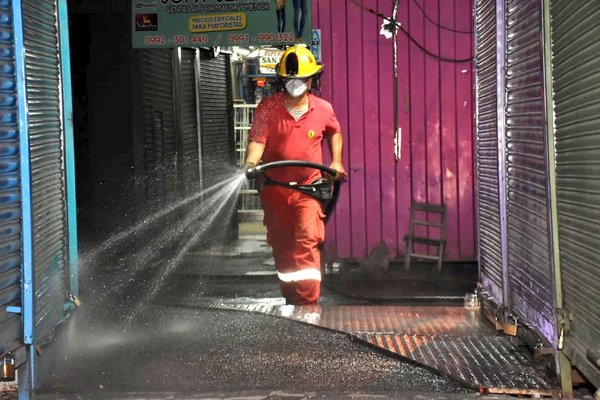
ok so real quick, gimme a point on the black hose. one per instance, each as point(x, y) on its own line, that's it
point(331, 204)
point(252, 173)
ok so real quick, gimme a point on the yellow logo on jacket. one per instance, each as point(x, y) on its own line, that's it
point(311, 134)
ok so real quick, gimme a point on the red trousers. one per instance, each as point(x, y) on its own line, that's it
point(295, 230)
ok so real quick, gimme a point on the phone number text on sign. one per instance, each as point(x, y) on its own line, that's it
point(231, 39)
point(271, 37)
point(268, 37)
point(265, 38)
point(177, 40)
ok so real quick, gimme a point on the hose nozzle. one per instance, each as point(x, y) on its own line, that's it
point(253, 172)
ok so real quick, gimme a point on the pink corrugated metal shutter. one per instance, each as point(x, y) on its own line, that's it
point(435, 114)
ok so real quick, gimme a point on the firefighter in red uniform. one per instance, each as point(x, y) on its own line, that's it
point(291, 125)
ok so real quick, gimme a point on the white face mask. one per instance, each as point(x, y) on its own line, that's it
point(296, 87)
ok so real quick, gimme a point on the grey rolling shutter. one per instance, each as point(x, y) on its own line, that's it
point(490, 246)
point(160, 155)
point(10, 195)
point(216, 131)
point(190, 169)
point(529, 263)
point(42, 68)
point(216, 106)
point(576, 66)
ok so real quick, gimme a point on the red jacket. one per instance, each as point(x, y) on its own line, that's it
point(287, 139)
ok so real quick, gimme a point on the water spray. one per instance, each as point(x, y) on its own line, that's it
point(321, 189)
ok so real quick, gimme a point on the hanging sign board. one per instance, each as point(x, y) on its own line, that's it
point(269, 58)
point(207, 23)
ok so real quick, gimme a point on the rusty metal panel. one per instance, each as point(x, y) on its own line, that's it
point(529, 253)
point(488, 185)
point(452, 340)
point(481, 361)
point(576, 68)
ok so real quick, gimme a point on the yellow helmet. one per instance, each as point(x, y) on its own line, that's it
point(298, 62)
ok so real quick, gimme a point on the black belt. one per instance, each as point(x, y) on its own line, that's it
point(319, 189)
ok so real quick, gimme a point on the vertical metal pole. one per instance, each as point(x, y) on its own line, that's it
point(476, 146)
point(398, 143)
point(69, 150)
point(178, 114)
point(501, 123)
point(26, 378)
point(551, 163)
point(562, 362)
point(198, 88)
point(25, 375)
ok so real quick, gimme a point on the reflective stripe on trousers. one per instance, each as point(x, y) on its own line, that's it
point(302, 275)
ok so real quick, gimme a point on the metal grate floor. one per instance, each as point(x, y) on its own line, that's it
point(452, 340)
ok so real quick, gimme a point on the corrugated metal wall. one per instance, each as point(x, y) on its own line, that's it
point(217, 136)
point(188, 121)
point(576, 68)
point(488, 185)
point(216, 116)
point(160, 155)
point(531, 288)
point(10, 194)
point(171, 135)
point(44, 99)
point(435, 114)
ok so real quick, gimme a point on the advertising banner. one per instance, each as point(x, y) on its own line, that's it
point(207, 23)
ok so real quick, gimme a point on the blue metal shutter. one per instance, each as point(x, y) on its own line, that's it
point(490, 246)
point(529, 253)
point(10, 194)
point(44, 97)
point(576, 69)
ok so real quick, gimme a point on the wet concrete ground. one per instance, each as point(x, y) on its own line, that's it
point(140, 337)
point(181, 350)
